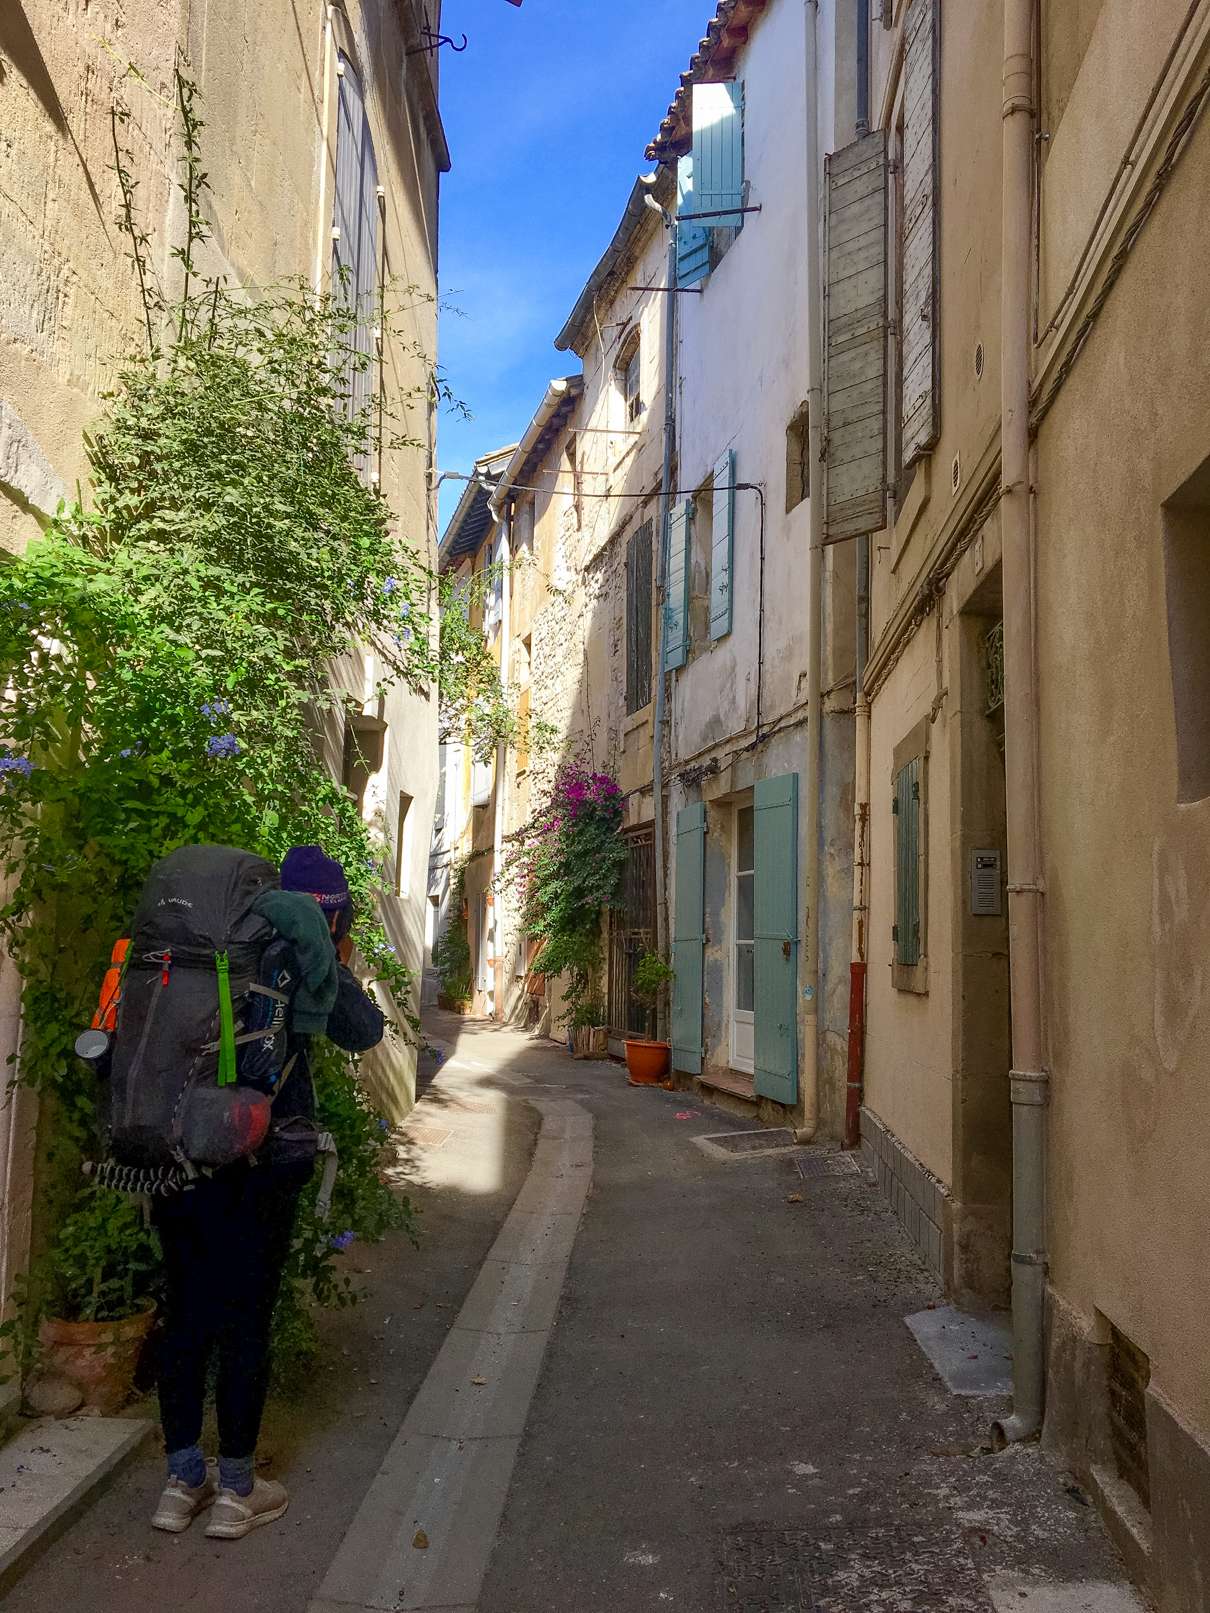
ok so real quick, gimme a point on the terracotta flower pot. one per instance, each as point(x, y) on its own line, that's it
point(647, 1061)
point(98, 1357)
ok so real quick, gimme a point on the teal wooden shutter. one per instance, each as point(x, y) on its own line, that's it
point(722, 545)
point(692, 240)
point(718, 152)
point(906, 809)
point(689, 939)
point(676, 587)
point(776, 931)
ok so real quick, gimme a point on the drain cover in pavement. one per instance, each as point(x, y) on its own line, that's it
point(814, 1162)
point(766, 1570)
point(751, 1142)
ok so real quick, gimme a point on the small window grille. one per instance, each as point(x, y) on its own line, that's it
point(993, 650)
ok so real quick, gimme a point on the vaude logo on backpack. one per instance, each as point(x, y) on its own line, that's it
point(200, 1038)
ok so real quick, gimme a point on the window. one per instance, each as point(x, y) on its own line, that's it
point(523, 530)
point(710, 181)
point(355, 271)
point(1187, 580)
point(573, 470)
point(403, 845)
point(701, 549)
point(745, 882)
point(798, 458)
point(638, 619)
point(909, 809)
point(630, 377)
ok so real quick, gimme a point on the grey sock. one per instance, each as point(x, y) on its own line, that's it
point(237, 1473)
point(188, 1465)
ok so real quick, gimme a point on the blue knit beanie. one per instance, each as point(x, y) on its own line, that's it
point(306, 869)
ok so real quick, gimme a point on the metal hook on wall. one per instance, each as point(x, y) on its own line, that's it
point(434, 42)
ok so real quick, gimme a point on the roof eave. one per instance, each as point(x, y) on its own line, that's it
point(726, 35)
point(560, 393)
point(657, 186)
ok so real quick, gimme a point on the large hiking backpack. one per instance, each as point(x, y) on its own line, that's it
point(201, 1034)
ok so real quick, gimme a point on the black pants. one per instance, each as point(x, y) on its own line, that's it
point(225, 1244)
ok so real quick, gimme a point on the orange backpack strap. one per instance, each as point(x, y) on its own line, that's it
point(106, 1016)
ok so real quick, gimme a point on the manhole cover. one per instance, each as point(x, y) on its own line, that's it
point(812, 1163)
point(766, 1570)
point(751, 1142)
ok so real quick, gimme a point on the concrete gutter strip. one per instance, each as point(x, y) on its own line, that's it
point(49, 1470)
point(425, 1532)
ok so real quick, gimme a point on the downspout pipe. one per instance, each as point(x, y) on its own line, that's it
point(855, 1082)
point(1029, 1080)
point(855, 1089)
point(661, 678)
point(499, 973)
point(814, 602)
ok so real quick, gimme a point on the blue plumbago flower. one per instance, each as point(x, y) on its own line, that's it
point(223, 745)
point(390, 585)
point(404, 639)
point(405, 608)
point(16, 764)
point(440, 1057)
point(342, 1240)
point(383, 1127)
point(129, 751)
point(216, 708)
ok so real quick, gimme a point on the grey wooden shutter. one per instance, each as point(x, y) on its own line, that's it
point(689, 939)
point(722, 543)
point(355, 233)
point(855, 358)
point(676, 587)
point(775, 964)
point(638, 619)
point(919, 421)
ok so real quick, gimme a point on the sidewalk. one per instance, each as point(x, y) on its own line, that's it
point(730, 1412)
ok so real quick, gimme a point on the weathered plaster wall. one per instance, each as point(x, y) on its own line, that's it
point(909, 1054)
point(1127, 869)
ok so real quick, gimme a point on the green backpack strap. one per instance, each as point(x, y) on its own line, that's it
point(226, 1021)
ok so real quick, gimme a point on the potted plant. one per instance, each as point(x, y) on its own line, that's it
point(589, 1033)
point(85, 1311)
point(647, 1059)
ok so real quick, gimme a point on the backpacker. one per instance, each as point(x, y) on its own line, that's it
point(199, 1040)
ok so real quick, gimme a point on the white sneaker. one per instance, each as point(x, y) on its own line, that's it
point(235, 1515)
point(180, 1503)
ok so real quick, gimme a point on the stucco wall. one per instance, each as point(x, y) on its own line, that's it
point(1127, 869)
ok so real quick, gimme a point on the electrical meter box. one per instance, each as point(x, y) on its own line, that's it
point(986, 899)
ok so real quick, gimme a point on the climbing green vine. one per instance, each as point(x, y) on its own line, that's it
point(166, 645)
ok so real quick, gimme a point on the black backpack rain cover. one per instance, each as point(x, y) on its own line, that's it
point(195, 908)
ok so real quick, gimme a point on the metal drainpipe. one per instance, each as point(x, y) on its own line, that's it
point(855, 1090)
point(1029, 1080)
point(810, 987)
point(657, 780)
point(855, 1087)
point(499, 972)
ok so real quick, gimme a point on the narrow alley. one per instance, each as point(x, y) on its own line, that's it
point(730, 1414)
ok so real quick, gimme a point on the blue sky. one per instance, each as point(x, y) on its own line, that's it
point(547, 114)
